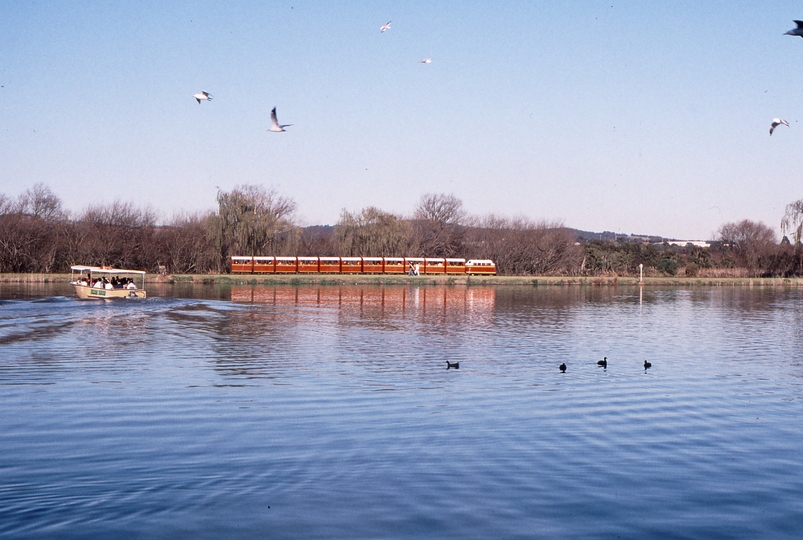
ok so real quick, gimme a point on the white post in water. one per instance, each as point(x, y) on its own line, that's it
point(640, 272)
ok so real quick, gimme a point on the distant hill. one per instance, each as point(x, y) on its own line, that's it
point(315, 232)
point(613, 237)
point(318, 231)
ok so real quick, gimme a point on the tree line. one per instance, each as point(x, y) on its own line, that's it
point(38, 235)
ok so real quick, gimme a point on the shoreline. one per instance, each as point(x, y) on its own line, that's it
point(430, 280)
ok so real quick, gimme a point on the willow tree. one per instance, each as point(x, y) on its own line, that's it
point(372, 233)
point(252, 221)
point(792, 222)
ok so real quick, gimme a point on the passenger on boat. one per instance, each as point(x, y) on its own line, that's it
point(82, 281)
point(98, 284)
point(131, 285)
point(107, 285)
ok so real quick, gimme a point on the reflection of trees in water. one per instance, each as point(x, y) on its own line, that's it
point(746, 299)
point(411, 331)
point(337, 325)
point(15, 291)
point(186, 290)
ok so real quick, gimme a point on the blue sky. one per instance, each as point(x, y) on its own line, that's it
point(634, 117)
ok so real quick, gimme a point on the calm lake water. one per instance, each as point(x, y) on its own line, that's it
point(306, 412)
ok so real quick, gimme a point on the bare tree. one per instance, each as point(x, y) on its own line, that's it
point(29, 230)
point(442, 209)
point(751, 242)
point(118, 234)
point(520, 246)
point(438, 225)
point(40, 202)
point(184, 245)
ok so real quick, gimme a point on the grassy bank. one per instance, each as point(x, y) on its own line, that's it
point(330, 279)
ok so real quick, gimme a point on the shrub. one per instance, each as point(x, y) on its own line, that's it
point(668, 266)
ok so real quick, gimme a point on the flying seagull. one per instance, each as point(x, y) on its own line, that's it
point(274, 123)
point(796, 31)
point(777, 122)
point(206, 96)
point(387, 27)
point(426, 61)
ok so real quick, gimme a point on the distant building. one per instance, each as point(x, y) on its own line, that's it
point(684, 243)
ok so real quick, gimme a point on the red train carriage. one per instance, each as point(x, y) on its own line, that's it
point(351, 265)
point(372, 265)
point(242, 265)
point(395, 265)
point(455, 266)
point(308, 265)
point(360, 265)
point(286, 265)
point(434, 265)
point(264, 265)
point(329, 265)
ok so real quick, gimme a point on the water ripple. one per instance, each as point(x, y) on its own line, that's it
point(320, 412)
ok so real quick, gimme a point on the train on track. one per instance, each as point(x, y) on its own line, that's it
point(362, 265)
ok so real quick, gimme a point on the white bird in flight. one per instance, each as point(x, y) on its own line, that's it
point(385, 27)
point(777, 122)
point(426, 61)
point(796, 31)
point(206, 96)
point(274, 123)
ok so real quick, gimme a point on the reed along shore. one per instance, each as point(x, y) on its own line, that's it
point(428, 280)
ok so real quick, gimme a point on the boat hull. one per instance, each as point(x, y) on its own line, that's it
point(85, 291)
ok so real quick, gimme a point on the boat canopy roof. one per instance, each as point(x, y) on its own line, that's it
point(104, 270)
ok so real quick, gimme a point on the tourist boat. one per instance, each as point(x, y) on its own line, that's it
point(116, 282)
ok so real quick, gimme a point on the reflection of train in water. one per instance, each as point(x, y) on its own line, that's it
point(361, 265)
point(426, 299)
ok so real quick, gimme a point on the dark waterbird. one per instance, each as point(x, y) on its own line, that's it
point(603, 362)
point(562, 368)
point(647, 365)
point(450, 365)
